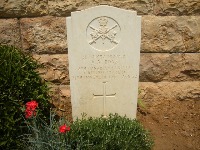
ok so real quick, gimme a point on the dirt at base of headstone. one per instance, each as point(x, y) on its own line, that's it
point(175, 125)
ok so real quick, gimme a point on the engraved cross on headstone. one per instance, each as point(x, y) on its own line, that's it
point(104, 96)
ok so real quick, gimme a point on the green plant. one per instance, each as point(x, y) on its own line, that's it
point(19, 82)
point(43, 136)
point(112, 133)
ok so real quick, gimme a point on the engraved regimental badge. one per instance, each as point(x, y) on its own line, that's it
point(103, 33)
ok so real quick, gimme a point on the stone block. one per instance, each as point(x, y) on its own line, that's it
point(156, 67)
point(172, 95)
point(28, 8)
point(143, 7)
point(64, 8)
point(159, 34)
point(44, 35)
point(170, 34)
point(10, 32)
point(154, 94)
point(176, 7)
point(61, 101)
point(23, 8)
point(55, 68)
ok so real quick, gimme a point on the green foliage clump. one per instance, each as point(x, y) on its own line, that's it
point(19, 83)
point(43, 136)
point(112, 133)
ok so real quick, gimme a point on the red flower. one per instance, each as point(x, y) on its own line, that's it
point(30, 109)
point(29, 113)
point(64, 129)
point(32, 105)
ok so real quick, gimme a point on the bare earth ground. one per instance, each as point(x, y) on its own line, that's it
point(175, 125)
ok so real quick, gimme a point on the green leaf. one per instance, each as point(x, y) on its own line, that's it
point(3, 143)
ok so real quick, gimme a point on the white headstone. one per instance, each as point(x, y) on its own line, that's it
point(104, 54)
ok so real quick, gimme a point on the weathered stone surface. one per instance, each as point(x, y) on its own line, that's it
point(159, 34)
point(143, 7)
point(61, 100)
point(10, 32)
point(153, 94)
point(171, 34)
point(64, 8)
point(55, 68)
point(22, 8)
point(156, 67)
point(177, 7)
point(172, 95)
point(44, 35)
point(29, 8)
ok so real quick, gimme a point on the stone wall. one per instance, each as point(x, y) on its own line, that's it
point(170, 49)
